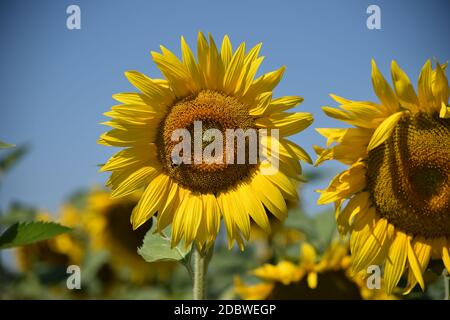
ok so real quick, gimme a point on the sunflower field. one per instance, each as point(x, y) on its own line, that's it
point(224, 169)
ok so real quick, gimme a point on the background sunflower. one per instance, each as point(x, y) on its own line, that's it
point(398, 182)
point(327, 278)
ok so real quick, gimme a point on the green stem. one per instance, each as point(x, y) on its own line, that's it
point(201, 261)
point(445, 275)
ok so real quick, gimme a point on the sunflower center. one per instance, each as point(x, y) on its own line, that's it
point(409, 176)
point(206, 118)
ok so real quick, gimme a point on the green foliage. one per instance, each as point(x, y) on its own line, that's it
point(23, 233)
point(157, 247)
point(4, 145)
point(11, 158)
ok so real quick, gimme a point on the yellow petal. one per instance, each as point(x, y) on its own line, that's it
point(423, 253)
point(445, 111)
point(130, 157)
point(265, 83)
point(125, 182)
point(307, 255)
point(403, 88)
point(165, 216)
point(212, 210)
point(190, 63)
point(233, 71)
point(287, 123)
point(440, 86)
point(395, 264)
point(270, 196)
point(226, 51)
point(150, 88)
point(151, 201)
point(126, 138)
point(254, 207)
point(371, 247)
point(283, 104)
point(424, 87)
point(384, 131)
point(445, 255)
point(192, 217)
point(383, 91)
point(415, 266)
point(312, 280)
point(261, 103)
point(340, 99)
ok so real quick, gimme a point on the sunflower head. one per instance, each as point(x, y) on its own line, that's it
point(193, 142)
point(398, 182)
point(106, 221)
point(60, 251)
point(328, 277)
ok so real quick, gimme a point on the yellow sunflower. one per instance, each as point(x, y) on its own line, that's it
point(106, 221)
point(218, 89)
point(398, 183)
point(327, 278)
point(61, 251)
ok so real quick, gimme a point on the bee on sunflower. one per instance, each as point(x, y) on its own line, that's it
point(394, 199)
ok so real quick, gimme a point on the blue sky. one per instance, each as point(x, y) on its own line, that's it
point(56, 83)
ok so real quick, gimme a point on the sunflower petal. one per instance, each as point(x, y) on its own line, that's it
point(151, 201)
point(403, 88)
point(384, 92)
point(424, 87)
point(395, 264)
point(384, 131)
point(415, 266)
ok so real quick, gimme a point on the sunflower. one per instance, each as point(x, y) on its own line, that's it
point(61, 251)
point(106, 223)
point(398, 182)
point(219, 90)
point(327, 278)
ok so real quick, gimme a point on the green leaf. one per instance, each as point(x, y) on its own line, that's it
point(23, 233)
point(156, 247)
point(12, 157)
point(4, 145)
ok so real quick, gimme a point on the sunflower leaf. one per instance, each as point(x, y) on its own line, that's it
point(4, 145)
point(23, 233)
point(157, 247)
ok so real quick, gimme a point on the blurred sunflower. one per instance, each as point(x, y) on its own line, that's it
point(280, 237)
point(219, 89)
point(106, 221)
point(61, 251)
point(328, 278)
point(398, 183)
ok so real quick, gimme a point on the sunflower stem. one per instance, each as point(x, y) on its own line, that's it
point(446, 278)
point(201, 261)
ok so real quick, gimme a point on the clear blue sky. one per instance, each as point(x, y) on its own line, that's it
point(56, 83)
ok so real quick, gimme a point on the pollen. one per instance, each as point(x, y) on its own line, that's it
point(215, 111)
point(409, 176)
